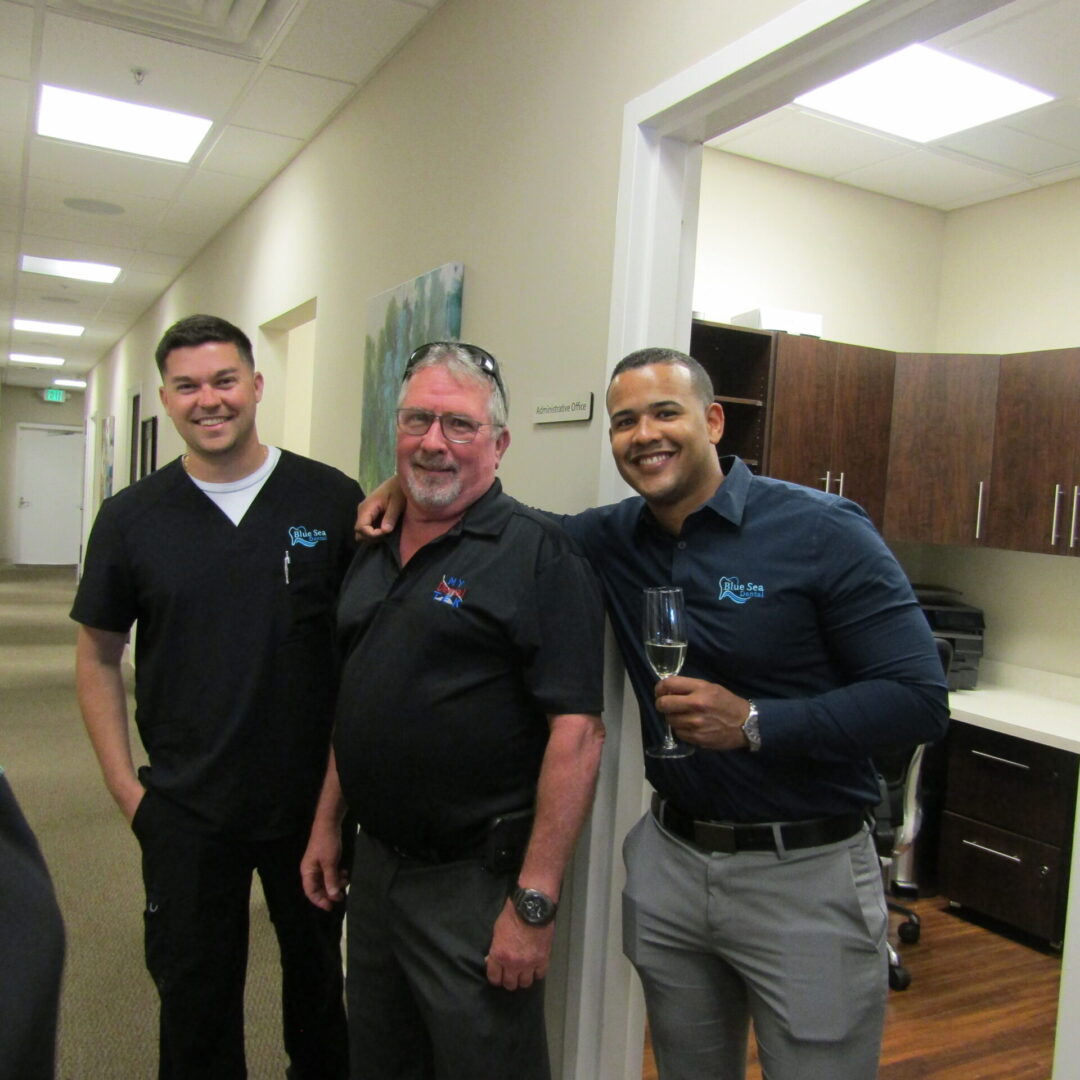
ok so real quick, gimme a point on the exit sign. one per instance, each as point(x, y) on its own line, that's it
point(54, 393)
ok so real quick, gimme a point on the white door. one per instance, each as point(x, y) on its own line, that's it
point(48, 494)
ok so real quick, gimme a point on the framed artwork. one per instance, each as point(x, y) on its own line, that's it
point(148, 447)
point(427, 308)
point(106, 451)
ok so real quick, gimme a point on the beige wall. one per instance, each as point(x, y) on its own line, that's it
point(770, 237)
point(997, 277)
point(491, 138)
point(22, 405)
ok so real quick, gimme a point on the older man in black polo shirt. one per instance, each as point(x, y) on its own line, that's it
point(467, 744)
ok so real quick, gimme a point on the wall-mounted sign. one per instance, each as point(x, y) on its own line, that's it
point(559, 410)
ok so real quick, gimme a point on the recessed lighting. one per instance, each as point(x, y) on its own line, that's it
point(75, 384)
point(36, 327)
point(119, 125)
point(44, 361)
point(84, 271)
point(93, 206)
point(922, 95)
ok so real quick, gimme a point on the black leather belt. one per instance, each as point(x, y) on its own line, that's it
point(728, 837)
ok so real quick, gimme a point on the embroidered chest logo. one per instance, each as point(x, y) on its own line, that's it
point(731, 588)
point(451, 590)
point(300, 534)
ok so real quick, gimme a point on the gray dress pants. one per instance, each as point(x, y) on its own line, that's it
point(796, 942)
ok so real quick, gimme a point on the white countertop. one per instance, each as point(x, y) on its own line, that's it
point(1037, 705)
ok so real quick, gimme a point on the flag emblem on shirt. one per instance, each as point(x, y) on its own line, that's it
point(300, 534)
point(731, 588)
point(451, 590)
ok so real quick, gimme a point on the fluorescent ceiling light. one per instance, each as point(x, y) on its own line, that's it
point(920, 94)
point(84, 271)
point(61, 328)
point(26, 358)
point(119, 125)
point(75, 384)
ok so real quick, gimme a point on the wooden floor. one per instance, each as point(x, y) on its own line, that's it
point(982, 1004)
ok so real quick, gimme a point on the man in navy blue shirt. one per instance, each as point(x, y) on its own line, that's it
point(753, 888)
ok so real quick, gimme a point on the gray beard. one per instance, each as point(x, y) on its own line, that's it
point(432, 497)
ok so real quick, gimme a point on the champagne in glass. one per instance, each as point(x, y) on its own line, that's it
point(664, 632)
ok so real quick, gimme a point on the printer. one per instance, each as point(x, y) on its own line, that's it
point(961, 624)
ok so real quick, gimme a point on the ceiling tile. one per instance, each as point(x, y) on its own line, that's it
point(11, 154)
point(209, 202)
point(241, 151)
point(153, 262)
point(346, 39)
point(164, 241)
point(930, 179)
point(54, 248)
point(16, 38)
point(288, 103)
point(105, 170)
point(806, 142)
point(1034, 43)
point(14, 99)
point(1059, 122)
point(84, 228)
point(86, 56)
point(1013, 150)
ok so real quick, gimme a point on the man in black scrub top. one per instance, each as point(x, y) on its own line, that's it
point(229, 559)
point(467, 743)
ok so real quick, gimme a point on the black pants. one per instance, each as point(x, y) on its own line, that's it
point(197, 897)
point(420, 1005)
point(31, 950)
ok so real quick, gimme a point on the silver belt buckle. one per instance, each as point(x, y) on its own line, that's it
point(715, 836)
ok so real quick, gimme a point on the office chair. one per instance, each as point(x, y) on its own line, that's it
point(897, 821)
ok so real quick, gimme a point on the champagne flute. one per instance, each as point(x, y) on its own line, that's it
point(664, 630)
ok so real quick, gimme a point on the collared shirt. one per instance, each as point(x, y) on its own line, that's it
point(453, 664)
point(793, 600)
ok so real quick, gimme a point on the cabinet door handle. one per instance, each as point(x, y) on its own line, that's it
point(1058, 492)
point(993, 851)
point(826, 480)
point(1072, 527)
point(978, 513)
point(840, 486)
point(1001, 760)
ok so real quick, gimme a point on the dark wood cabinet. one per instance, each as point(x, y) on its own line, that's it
point(1035, 486)
point(941, 448)
point(740, 363)
point(831, 414)
point(1006, 834)
point(802, 409)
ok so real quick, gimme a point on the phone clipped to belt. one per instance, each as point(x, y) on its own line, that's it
point(507, 838)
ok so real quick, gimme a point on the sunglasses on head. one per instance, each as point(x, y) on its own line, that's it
point(481, 357)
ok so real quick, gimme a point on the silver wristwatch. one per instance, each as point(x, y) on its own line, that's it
point(750, 729)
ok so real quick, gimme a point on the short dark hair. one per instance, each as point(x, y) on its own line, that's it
point(198, 330)
point(699, 377)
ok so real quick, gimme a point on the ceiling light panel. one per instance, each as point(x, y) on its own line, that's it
point(119, 125)
point(71, 268)
point(41, 361)
point(921, 94)
point(34, 326)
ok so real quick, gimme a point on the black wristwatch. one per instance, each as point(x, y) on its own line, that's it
point(533, 907)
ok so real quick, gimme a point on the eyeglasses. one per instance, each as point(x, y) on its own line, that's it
point(481, 357)
point(455, 429)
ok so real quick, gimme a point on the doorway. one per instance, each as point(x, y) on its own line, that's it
point(48, 494)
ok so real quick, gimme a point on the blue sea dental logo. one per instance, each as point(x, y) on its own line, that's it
point(731, 588)
point(305, 537)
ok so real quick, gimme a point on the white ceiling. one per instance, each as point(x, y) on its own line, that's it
point(1036, 42)
point(269, 73)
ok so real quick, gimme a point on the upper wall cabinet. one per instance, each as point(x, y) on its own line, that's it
point(831, 414)
point(1035, 489)
point(802, 409)
point(941, 448)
